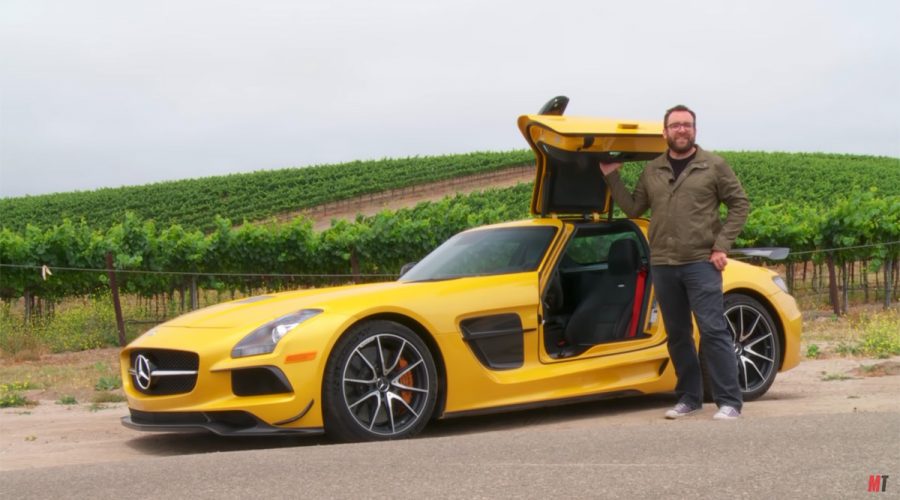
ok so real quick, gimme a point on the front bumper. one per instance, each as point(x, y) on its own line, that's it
point(223, 423)
point(792, 320)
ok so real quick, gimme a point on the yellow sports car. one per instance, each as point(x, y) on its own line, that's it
point(555, 309)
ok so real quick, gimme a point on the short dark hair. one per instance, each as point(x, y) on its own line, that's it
point(680, 107)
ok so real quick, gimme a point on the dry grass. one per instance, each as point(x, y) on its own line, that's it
point(847, 335)
point(53, 376)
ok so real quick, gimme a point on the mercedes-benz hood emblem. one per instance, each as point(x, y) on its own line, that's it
point(143, 371)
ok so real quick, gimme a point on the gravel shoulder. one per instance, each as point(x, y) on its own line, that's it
point(50, 434)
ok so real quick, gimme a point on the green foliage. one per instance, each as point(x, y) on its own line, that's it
point(859, 220)
point(782, 225)
point(876, 335)
point(813, 351)
point(67, 400)
point(811, 179)
point(108, 383)
point(856, 204)
point(71, 329)
point(15, 337)
point(194, 203)
point(881, 337)
point(12, 399)
point(804, 179)
point(107, 397)
point(848, 348)
point(828, 377)
point(11, 394)
point(78, 329)
point(16, 386)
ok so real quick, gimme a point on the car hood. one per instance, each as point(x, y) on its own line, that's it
point(254, 311)
point(422, 299)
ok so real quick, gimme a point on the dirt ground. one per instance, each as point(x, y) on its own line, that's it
point(408, 197)
point(49, 434)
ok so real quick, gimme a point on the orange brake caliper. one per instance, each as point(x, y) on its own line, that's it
point(407, 380)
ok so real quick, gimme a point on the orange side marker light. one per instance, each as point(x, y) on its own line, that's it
point(300, 356)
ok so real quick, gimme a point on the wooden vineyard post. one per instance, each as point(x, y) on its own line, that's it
point(888, 263)
point(195, 295)
point(832, 285)
point(117, 305)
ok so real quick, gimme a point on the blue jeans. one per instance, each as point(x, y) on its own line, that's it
point(697, 288)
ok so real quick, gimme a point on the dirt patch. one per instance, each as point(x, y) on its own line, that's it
point(882, 369)
point(394, 199)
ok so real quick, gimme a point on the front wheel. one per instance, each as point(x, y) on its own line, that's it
point(380, 383)
point(757, 344)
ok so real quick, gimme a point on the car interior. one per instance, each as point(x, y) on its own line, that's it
point(597, 291)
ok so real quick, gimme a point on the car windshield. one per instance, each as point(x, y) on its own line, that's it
point(484, 252)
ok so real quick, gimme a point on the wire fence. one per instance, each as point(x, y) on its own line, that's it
point(197, 273)
point(187, 292)
point(46, 268)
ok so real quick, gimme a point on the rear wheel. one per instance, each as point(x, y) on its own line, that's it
point(757, 344)
point(380, 383)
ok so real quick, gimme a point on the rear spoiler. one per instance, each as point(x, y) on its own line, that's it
point(771, 253)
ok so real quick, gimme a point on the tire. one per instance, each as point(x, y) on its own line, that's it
point(380, 383)
point(757, 344)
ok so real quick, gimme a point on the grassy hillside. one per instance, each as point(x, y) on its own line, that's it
point(814, 179)
point(194, 203)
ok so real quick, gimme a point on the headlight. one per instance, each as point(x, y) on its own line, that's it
point(779, 282)
point(264, 339)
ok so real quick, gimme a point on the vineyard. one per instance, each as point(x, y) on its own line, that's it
point(194, 203)
point(839, 214)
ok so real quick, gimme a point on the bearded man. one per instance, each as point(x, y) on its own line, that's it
point(689, 244)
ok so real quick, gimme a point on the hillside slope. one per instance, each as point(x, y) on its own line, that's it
point(368, 205)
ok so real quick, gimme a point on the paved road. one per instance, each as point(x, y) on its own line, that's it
point(813, 456)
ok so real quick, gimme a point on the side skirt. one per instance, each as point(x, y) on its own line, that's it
point(542, 404)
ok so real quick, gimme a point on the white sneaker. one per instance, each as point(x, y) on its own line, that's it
point(727, 413)
point(681, 410)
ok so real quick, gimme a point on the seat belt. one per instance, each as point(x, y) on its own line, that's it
point(638, 302)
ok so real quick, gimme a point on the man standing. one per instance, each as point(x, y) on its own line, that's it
point(683, 188)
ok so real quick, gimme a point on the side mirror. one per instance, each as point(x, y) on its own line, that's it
point(406, 267)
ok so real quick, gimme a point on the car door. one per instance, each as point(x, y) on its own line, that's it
point(604, 311)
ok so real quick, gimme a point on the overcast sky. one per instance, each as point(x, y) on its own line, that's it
point(111, 93)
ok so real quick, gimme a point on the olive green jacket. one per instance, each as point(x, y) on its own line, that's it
point(685, 225)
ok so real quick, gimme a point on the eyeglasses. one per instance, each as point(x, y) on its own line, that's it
point(680, 125)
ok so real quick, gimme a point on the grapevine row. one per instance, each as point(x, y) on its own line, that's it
point(233, 258)
point(194, 203)
point(769, 179)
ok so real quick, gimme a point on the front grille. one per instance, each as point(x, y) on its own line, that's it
point(165, 372)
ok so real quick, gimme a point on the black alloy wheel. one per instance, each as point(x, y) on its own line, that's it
point(380, 383)
point(757, 344)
